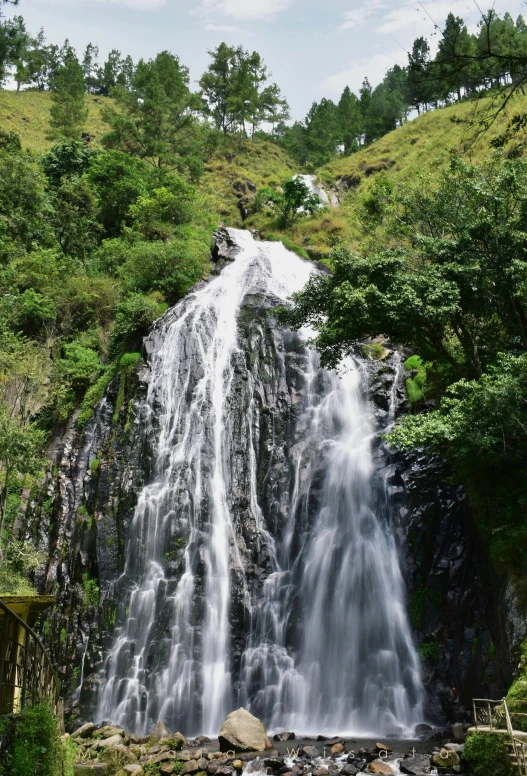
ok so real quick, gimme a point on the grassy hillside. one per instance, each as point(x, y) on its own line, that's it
point(423, 145)
point(27, 113)
point(234, 170)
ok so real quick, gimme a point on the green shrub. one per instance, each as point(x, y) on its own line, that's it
point(37, 749)
point(429, 651)
point(91, 590)
point(374, 352)
point(93, 396)
point(485, 754)
point(416, 385)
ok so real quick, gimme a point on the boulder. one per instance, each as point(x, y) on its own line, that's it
point(243, 732)
point(190, 767)
point(310, 751)
point(163, 757)
point(418, 765)
point(284, 736)
point(446, 759)
point(168, 767)
point(112, 741)
point(458, 732)
point(349, 770)
point(337, 748)
point(160, 731)
point(85, 731)
point(134, 768)
point(379, 767)
point(91, 769)
point(113, 731)
point(238, 765)
point(383, 748)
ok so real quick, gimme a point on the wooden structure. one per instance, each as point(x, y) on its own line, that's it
point(494, 716)
point(26, 673)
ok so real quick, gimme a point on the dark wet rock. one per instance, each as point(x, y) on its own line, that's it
point(416, 765)
point(284, 736)
point(423, 729)
point(349, 770)
point(225, 247)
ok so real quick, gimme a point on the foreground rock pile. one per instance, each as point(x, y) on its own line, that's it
point(109, 751)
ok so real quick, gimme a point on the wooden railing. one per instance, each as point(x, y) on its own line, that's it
point(26, 673)
point(495, 715)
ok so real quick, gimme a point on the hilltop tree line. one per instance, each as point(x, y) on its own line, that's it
point(465, 66)
point(235, 94)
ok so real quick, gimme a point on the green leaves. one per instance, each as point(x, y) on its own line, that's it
point(294, 200)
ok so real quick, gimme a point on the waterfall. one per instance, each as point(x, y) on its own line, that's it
point(260, 566)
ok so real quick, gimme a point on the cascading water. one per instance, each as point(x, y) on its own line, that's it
point(260, 567)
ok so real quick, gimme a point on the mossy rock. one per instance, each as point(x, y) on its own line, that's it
point(446, 759)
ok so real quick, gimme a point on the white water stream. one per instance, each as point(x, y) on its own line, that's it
point(328, 646)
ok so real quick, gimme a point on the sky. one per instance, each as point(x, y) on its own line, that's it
point(313, 48)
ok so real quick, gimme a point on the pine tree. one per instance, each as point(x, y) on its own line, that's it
point(89, 67)
point(349, 120)
point(68, 110)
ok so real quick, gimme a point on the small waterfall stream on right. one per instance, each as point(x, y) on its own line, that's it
point(337, 582)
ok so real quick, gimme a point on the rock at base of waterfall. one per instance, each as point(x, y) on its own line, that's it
point(85, 731)
point(446, 759)
point(337, 748)
point(160, 731)
point(418, 765)
point(243, 732)
point(284, 736)
point(378, 767)
point(349, 770)
point(458, 732)
point(310, 751)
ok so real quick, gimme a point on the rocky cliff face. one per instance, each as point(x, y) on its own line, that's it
point(463, 619)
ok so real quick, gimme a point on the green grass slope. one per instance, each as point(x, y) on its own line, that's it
point(27, 114)
point(423, 145)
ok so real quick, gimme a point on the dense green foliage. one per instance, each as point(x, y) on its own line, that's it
point(293, 201)
point(485, 754)
point(93, 247)
point(37, 747)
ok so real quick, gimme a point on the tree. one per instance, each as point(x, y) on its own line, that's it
point(89, 68)
point(13, 37)
point(156, 119)
point(109, 75)
point(322, 131)
point(420, 84)
point(454, 285)
point(68, 110)
point(236, 92)
point(119, 180)
point(295, 200)
point(349, 119)
point(456, 44)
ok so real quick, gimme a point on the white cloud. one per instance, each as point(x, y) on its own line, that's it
point(245, 10)
point(359, 16)
point(228, 28)
point(373, 67)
